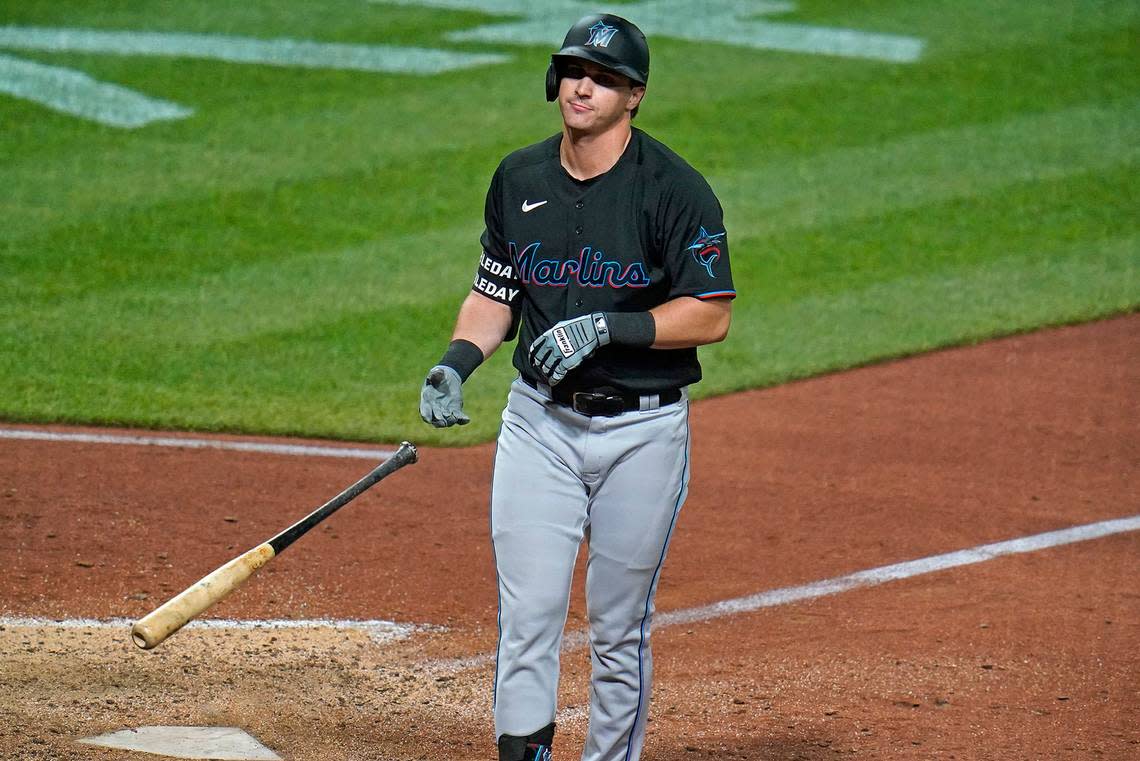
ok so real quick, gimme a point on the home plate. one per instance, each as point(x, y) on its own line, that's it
point(227, 743)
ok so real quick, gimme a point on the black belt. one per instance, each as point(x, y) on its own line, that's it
point(605, 401)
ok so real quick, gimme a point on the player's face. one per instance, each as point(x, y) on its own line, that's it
point(593, 99)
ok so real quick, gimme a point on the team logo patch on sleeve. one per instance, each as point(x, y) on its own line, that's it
point(706, 249)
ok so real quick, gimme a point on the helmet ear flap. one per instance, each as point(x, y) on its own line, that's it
point(551, 83)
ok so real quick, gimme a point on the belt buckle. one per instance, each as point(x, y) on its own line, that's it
point(592, 404)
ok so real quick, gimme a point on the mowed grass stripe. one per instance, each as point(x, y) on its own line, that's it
point(246, 301)
point(227, 230)
point(797, 322)
point(256, 129)
point(975, 26)
point(928, 310)
point(825, 189)
point(290, 259)
point(848, 107)
point(920, 169)
point(358, 383)
point(1030, 218)
point(832, 189)
point(351, 122)
point(365, 391)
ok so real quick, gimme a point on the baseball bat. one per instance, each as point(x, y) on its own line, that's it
point(150, 630)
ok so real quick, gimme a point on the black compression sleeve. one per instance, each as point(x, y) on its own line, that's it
point(463, 357)
point(632, 328)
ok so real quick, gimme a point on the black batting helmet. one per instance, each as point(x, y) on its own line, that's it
point(608, 41)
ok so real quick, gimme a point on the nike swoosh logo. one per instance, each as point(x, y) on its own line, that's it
point(527, 206)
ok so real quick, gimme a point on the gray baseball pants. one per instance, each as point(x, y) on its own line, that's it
point(561, 477)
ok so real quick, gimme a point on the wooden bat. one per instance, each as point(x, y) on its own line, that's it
point(150, 630)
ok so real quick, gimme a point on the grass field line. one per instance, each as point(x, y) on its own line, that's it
point(75, 93)
point(929, 167)
point(302, 450)
point(723, 22)
point(245, 50)
point(859, 580)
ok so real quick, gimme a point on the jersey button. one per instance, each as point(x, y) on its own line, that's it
point(578, 229)
point(579, 205)
point(578, 303)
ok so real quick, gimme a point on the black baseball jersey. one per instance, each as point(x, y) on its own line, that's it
point(647, 231)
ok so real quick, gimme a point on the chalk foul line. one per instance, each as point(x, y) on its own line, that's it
point(379, 631)
point(860, 579)
point(171, 441)
point(897, 571)
point(383, 631)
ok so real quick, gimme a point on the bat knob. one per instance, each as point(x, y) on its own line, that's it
point(413, 454)
point(143, 636)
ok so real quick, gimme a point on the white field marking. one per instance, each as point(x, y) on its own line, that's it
point(231, 743)
point(73, 92)
point(869, 578)
point(276, 52)
point(379, 631)
point(897, 571)
point(169, 441)
point(573, 8)
point(383, 631)
point(727, 22)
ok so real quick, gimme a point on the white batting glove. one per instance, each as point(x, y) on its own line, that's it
point(441, 398)
point(567, 345)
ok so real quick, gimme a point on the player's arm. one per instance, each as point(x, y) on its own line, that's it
point(481, 327)
point(483, 322)
point(685, 322)
point(485, 319)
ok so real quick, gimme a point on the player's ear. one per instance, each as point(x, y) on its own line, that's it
point(635, 96)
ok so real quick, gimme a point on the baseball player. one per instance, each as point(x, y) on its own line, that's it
point(607, 255)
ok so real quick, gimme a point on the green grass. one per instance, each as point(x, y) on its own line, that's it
point(290, 258)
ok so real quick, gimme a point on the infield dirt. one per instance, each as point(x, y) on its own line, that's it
point(1027, 657)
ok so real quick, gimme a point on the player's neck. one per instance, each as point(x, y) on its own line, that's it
point(586, 154)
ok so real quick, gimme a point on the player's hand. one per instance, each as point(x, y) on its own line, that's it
point(441, 399)
point(568, 344)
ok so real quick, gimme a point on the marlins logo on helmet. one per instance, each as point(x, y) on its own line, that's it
point(601, 34)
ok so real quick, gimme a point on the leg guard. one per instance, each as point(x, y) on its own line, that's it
point(533, 747)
